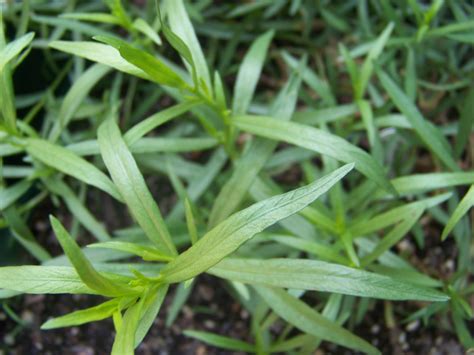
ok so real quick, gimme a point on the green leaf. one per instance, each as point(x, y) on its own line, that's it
point(311, 322)
point(70, 164)
point(321, 276)
point(67, 24)
point(181, 25)
point(132, 186)
point(151, 307)
point(180, 297)
point(92, 314)
point(7, 96)
point(77, 208)
point(145, 252)
point(143, 26)
point(410, 75)
point(10, 194)
point(157, 119)
point(466, 203)
point(173, 145)
point(374, 53)
point(190, 221)
point(179, 45)
point(393, 237)
point(158, 71)
point(119, 12)
point(309, 76)
point(13, 49)
point(220, 341)
point(323, 251)
point(227, 236)
point(43, 279)
point(149, 145)
point(325, 115)
point(124, 343)
point(75, 96)
point(100, 53)
point(84, 268)
point(19, 228)
point(394, 215)
point(317, 140)
point(253, 160)
point(466, 122)
point(428, 133)
point(92, 17)
point(249, 73)
point(417, 183)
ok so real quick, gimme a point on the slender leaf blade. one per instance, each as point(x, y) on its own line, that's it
point(428, 133)
point(227, 236)
point(308, 320)
point(317, 140)
point(43, 279)
point(466, 203)
point(83, 266)
point(132, 186)
point(321, 276)
point(249, 73)
point(70, 164)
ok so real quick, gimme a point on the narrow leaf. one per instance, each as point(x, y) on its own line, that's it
point(249, 73)
point(70, 164)
point(43, 279)
point(132, 186)
point(182, 27)
point(158, 71)
point(227, 236)
point(321, 276)
point(124, 343)
point(220, 341)
point(12, 49)
point(99, 53)
point(308, 320)
point(428, 133)
point(84, 268)
point(317, 140)
point(466, 203)
point(151, 307)
point(92, 314)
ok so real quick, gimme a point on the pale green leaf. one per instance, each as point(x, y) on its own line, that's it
point(83, 266)
point(100, 53)
point(124, 343)
point(92, 314)
point(13, 49)
point(132, 186)
point(428, 133)
point(181, 25)
point(249, 73)
point(220, 341)
point(227, 236)
point(321, 276)
point(466, 203)
point(42, 279)
point(70, 164)
point(311, 322)
point(317, 140)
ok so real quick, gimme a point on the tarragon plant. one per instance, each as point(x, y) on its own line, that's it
point(271, 244)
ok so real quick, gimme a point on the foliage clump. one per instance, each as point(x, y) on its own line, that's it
point(370, 103)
